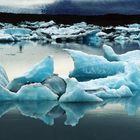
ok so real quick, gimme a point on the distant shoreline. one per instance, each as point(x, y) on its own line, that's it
point(103, 20)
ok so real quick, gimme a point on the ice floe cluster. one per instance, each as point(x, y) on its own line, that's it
point(93, 79)
point(79, 32)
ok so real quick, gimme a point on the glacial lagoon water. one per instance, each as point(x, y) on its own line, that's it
point(117, 119)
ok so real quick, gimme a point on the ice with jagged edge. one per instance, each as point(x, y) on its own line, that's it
point(132, 56)
point(75, 93)
point(37, 74)
point(87, 67)
point(34, 92)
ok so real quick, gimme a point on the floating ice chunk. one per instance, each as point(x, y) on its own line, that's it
point(75, 93)
point(17, 31)
point(13, 34)
point(101, 34)
point(93, 39)
point(126, 29)
point(123, 91)
point(88, 67)
point(37, 74)
point(46, 24)
point(135, 25)
point(132, 56)
point(6, 38)
point(36, 92)
point(3, 77)
point(6, 95)
point(131, 79)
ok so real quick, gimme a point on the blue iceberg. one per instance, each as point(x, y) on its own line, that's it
point(36, 92)
point(87, 67)
point(75, 93)
point(37, 74)
point(130, 80)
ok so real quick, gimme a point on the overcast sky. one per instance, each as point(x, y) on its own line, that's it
point(24, 2)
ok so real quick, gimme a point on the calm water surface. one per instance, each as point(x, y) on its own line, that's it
point(114, 119)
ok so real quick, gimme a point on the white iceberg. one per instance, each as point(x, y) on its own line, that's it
point(36, 92)
point(6, 38)
point(88, 67)
point(75, 93)
point(37, 74)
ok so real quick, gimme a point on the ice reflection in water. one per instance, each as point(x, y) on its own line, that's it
point(49, 111)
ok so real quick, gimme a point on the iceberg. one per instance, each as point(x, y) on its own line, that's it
point(87, 67)
point(16, 34)
point(6, 38)
point(39, 73)
point(36, 92)
point(130, 78)
point(93, 39)
point(75, 93)
point(131, 57)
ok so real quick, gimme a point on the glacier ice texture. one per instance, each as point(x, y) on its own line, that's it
point(75, 93)
point(36, 92)
point(37, 74)
point(87, 67)
point(130, 79)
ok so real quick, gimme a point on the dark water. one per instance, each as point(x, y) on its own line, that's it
point(113, 119)
point(117, 119)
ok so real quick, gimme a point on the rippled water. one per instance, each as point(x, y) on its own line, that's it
point(114, 119)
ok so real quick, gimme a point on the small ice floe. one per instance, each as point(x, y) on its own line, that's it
point(37, 74)
point(87, 67)
point(75, 93)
